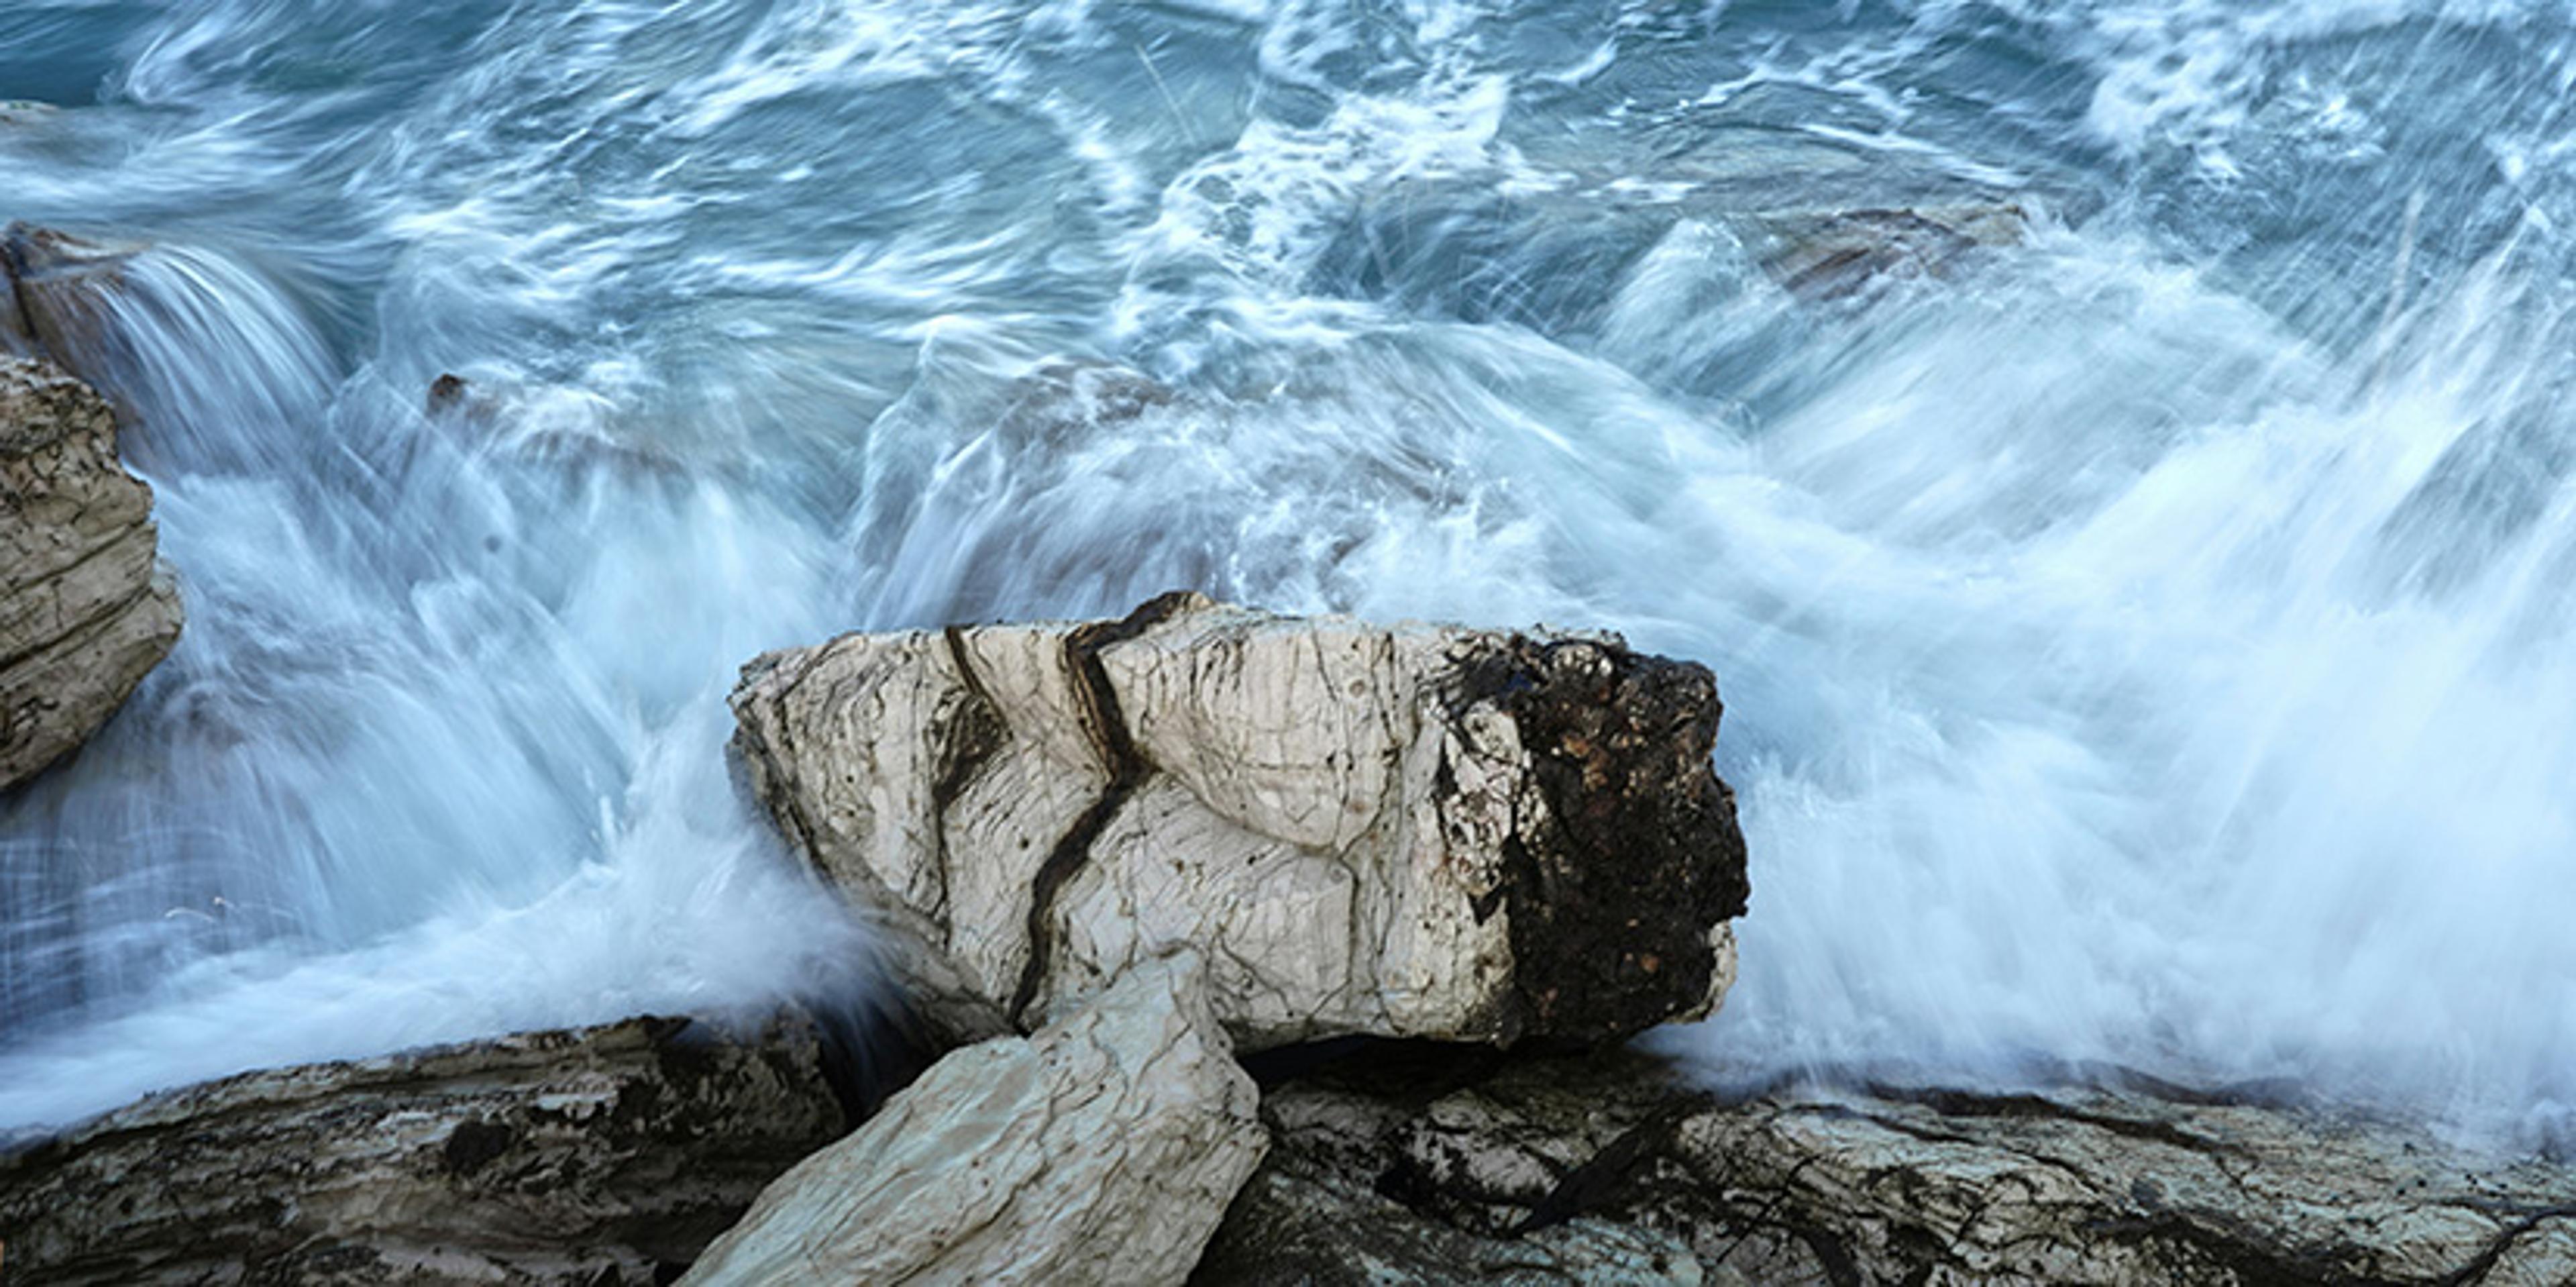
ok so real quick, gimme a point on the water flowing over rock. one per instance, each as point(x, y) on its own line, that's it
point(591, 1156)
point(86, 609)
point(1102, 1150)
point(1421, 831)
point(61, 290)
point(1585, 1170)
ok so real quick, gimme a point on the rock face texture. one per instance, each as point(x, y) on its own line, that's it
point(85, 607)
point(1608, 1168)
point(1102, 1150)
point(1411, 831)
point(588, 1157)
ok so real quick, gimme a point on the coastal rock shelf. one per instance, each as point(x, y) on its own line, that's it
point(1416, 831)
point(1612, 1168)
point(86, 606)
point(583, 1157)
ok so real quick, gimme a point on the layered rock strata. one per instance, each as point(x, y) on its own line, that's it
point(1101, 1150)
point(584, 1158)
point(86, 607)
point(1608, 1168)
point(1421, 831)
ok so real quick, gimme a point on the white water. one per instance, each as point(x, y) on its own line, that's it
point(2151, 646)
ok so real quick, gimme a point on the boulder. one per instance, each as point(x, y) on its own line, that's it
point(86, 608)
point(2121, 1180)
point(1101, 1150)
point(1417, 831)
point(63, 293)
point(586, 1157)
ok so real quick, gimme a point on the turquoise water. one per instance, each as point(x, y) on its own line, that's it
point(2144, 642)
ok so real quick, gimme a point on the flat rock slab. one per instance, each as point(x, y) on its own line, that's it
point(86, 607)
point(1423, 831)
point(588, 1157)
point(1546, 1160)
point(1101, 1151)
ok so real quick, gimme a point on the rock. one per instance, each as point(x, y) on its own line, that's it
point(1296, 1224)
point(2105, 1184)
point(1421, 831)
point(1101, 1150)
point(63, 297)
point(86, 609)
point(1825, 255)
point(593, 1156)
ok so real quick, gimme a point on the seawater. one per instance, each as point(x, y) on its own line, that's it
point(2148, 644)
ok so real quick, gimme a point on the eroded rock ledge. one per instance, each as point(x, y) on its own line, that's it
point(1412, 831)
point(86, 606)
point(1609, 1169)
point(585, 1158)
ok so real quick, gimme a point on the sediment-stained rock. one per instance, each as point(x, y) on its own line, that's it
point(1894, 1185)
point(585, 1157)
point(86, 609)
point(1411, 831)
point(1101, 1150)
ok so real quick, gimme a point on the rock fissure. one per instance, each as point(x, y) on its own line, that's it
point(1127, 770)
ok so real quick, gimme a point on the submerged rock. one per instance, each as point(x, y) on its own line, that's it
point(1101, 1150)
point(1421, 831)
point(585, 1157)
point(1541, 1165)
point(86, 607)
point(1822, 255)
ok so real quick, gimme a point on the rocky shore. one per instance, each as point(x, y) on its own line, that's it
point(1263, 950)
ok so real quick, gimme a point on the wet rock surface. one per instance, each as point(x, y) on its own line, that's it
point(62, 298)
point(593, 1156)
point(1608, 1166)
point(1101, 1150)
point(1417, 831)
point(86, 607)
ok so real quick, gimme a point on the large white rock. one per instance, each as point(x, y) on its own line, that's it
point(1102, 1150)
point(1410, 831)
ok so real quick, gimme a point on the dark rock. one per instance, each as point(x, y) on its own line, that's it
point(606, 1154)
point(2122, 1182)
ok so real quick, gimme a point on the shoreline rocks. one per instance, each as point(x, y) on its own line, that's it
point(1613, 1166)
point(1411, 831)
point(87, 607)
point(585, 1157)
